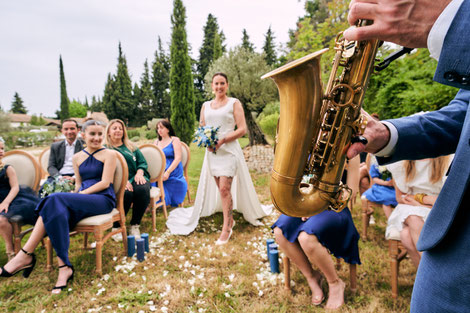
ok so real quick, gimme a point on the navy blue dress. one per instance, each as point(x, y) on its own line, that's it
point(62, 211)
point(379, 193)
point(175, 186)
point(24, 202)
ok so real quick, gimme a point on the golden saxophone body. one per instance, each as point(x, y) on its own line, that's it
point(315, 127)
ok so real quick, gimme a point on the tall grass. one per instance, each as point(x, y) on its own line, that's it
point(191, 274)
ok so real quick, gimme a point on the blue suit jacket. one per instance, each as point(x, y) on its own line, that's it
point(443, 132)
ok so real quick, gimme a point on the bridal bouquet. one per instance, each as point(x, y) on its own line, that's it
point(57, 185)
point(206, 136)
point(384, 173)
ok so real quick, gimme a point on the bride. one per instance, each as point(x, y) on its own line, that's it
point(225, 183)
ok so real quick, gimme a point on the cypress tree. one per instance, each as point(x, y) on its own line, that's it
point(181, 77)
point(146, 99)
point(96, 104)
point(161, 83)
point(17, 105)
point(109, 99)
point(64, 100)
point(246, 44)
point(124, 104)
point(269, 48)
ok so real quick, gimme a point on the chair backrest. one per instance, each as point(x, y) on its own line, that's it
point(121, 174)
point(156, 160)
point(26, 167)
point(44, 161)
point(185, 155)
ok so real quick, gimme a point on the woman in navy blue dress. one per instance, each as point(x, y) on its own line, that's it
point(313, 239)
point(174, 183)
point(15, 200)
point(58, 213)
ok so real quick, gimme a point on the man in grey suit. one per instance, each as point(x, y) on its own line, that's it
point(443, 280)
point(60, 158)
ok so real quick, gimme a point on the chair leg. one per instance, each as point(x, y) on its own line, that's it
point(165, 213)
point(124, 239)
point(286, 263)
point(85, 241)
point(353, 277)
point(48, 246)
point(154, 213)
point(365, 218)
point(189, 196)
point(99, 251)
point(393, 249)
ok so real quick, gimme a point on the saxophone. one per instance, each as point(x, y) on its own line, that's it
point(315, 127)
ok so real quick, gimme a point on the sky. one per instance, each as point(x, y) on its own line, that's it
point(86, 33)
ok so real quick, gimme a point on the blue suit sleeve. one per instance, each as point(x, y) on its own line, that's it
point(431, 134)
point(453, 68)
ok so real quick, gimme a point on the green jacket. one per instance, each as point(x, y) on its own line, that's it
point(135, 161)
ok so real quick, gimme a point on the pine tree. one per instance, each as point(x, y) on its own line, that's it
point(246, 42)
point(161, 83)
point(17, 105)
point(96, 104)
point(211, 49)
point(64, 100)
point(269, 48)
point(181, 77)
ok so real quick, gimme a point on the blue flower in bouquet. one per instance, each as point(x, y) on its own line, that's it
point(206, 136)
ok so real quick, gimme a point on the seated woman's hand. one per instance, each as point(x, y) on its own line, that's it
point(4, 207)
point(129, 186)
point(410, 200)
point(139, 179)
point(166, 175)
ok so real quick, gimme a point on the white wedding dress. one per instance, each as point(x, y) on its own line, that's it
point(228, 161)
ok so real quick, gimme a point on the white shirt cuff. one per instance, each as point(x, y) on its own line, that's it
point(441, 26)
point(390, 147)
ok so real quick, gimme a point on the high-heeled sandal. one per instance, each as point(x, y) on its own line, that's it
point(67, 282)
point(26, 269)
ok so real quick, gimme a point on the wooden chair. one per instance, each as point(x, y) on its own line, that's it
point(352, 274)
point(397, 253)
point(185, 158)
point(156, 167)
point(44, 162)
point(98, 224)
point(367, 211)
point(29, 174)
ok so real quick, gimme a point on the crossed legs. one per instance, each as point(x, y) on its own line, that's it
point(308, 249)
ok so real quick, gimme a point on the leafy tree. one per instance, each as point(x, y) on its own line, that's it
point(161, 83)
point(4, 122)
point(37, 121)
point(146, 100)
point(244, 69)
point(17, 105)
point(77, 109)
point(246, 42)
point(211, 49)
point(181, 78)
point(64, 100)
point(269, 48)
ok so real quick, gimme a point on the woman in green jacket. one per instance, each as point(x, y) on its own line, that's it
point(137, 191)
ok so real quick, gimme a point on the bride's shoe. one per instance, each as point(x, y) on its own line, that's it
point(223, 242)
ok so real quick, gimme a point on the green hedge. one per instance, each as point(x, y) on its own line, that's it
point(20, 139)
point(268, 124)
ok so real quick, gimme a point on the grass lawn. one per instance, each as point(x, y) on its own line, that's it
point(191, 274)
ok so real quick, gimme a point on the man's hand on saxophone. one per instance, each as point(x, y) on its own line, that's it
point(377, 135)
point(406, 23)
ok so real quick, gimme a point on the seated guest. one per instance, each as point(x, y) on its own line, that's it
point(137, 191)
point(60, 157)
point(364, 167)
point(312, 239)
point(417, 185)
point(174, 183)
point(382, 190)
point(14, 200)
point(59, 212)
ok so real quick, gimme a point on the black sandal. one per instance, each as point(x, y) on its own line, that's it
point(26, 269)
point(68, 279)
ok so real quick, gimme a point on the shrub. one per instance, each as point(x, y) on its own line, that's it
point(268, 124)
point(18, 139)
point(135, 139)
point(151, 134)
point(133, 133)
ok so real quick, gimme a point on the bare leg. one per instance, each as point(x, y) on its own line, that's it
point(64, 273)
point(21, 259)
point(415, 224)
point(387, 210)
point(225, 185)
point(409, 245)
point(6, 231)
point(297, 255)
point(320, 256)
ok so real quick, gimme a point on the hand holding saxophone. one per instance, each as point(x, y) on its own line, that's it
point(376, 134)
point(406, 23)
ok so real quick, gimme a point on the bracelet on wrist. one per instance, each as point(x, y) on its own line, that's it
point(420, 197)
